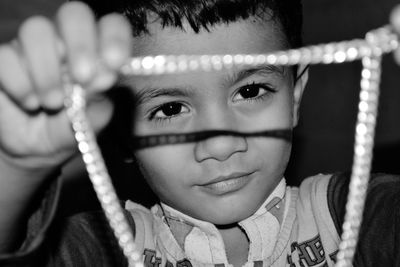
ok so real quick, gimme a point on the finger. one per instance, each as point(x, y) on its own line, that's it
point(99, 111)
point(78, 31)
point(104, 79)
point(14, 78)
point(395, 21)
point(115, 39)
point(39, 43)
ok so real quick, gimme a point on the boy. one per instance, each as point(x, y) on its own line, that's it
point(224, 199)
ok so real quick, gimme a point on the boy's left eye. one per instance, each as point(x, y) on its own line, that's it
point(253, 91)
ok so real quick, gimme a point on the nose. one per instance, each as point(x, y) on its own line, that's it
point(219, 148)
point(218, 116)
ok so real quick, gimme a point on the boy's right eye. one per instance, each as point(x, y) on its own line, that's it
point(168, 111)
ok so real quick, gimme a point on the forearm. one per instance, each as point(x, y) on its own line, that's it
point(18, 190)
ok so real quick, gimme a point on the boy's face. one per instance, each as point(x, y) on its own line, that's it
point(222, 179)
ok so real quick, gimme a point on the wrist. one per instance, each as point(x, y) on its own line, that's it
point(20, 178)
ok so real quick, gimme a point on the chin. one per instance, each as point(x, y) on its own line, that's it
point(226, 222)
point(222, 221)
point(227, 216)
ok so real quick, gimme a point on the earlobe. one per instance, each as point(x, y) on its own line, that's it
point(300, 84)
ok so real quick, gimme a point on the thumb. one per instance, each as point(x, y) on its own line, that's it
point(99, 111)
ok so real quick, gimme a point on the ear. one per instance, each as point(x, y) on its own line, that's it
point(300, 84)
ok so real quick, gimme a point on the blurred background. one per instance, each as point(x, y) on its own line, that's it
point(323, 140)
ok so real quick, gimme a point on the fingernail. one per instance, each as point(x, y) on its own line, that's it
point(114, 56)
point(103, 80)
point(82, 69)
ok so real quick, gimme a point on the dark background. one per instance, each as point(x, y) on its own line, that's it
point(324, 138)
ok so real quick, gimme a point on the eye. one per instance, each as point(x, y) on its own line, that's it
point(253, 91)
point(169, 110)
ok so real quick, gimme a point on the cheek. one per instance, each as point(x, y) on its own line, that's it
point(273, 153)
point(164, 167)
point(276, 114)
point(282, 156)
point(282, 115)
point(285, 105)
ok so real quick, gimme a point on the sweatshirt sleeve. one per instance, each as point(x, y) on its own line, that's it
point(43, 212)
point(379, 237)
point(84, 239)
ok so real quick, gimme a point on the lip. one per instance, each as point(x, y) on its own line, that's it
point(228, 183)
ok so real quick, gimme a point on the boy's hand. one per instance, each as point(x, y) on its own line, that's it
point(34, 128)
point(35, 135)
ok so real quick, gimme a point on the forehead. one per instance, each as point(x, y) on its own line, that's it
point(251, 35)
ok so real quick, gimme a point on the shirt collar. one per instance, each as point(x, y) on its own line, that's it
point(201, 240)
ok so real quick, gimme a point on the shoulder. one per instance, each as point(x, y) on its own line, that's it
point(314, 189)
point(319, 181)
point(87, 239)
point(312, 202)
point(383, 191)
point(383, 194)
point(379, 238)
point(380, 184)
point(92, 223)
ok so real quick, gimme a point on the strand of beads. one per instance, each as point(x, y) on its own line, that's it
point(98, 174)
point(364, 142)
point(325, 54)
point(317, 54)
point(370, 51)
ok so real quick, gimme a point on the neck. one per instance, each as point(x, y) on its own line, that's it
point(236, 244)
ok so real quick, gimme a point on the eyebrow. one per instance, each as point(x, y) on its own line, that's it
point(147, 94)
point(261, 69)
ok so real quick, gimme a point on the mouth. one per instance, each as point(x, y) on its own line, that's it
point(228, 184)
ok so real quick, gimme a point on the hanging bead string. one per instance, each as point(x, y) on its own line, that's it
point(362, 158)
point(370, 50)
point(363, 148)
point(98, 174)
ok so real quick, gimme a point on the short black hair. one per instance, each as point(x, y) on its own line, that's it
point(202, 14)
